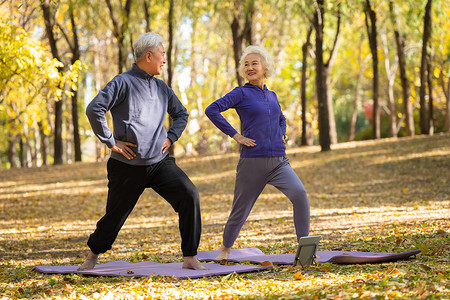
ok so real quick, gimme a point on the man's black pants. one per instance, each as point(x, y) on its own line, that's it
point(127, 183)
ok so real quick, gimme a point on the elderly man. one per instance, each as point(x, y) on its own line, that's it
point(139, 147)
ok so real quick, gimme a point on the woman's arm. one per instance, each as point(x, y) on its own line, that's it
point(213, 111)
point(282, 124)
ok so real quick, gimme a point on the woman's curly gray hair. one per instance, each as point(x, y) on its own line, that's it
point(266, 60)
point(146, 42)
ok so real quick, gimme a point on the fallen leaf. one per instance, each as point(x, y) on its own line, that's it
point(425, 267)
point(267, 263)
point(299, 276)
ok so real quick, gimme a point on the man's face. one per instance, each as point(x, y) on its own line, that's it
point(156, 60)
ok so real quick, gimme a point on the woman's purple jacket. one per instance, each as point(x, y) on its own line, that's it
point(261, 117)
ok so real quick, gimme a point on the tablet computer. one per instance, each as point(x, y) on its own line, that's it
point(306, 251)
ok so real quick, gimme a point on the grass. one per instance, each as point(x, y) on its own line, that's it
point(386, 195)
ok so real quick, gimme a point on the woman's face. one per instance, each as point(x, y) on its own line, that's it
point(253, 67)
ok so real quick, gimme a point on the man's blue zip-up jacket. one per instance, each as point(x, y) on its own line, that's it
point(139, 104)
point(261, 117)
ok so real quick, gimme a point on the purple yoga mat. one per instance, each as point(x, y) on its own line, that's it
point(149, 268)
point(256, 256)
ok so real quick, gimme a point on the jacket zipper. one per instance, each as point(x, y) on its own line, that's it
point(270, 125)
point(150, 86)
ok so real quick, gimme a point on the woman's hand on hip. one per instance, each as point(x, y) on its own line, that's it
point(243, 140)
point(122, 148)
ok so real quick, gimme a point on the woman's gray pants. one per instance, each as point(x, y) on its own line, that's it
point(252, 175)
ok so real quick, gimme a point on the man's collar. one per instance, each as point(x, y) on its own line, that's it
point(141, 73)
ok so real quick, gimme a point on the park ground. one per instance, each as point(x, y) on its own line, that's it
point(389, 195)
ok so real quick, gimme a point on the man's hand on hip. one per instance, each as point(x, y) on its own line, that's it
point(122, 148)
point(166, 145)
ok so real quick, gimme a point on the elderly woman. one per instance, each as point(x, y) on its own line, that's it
point(263, 157)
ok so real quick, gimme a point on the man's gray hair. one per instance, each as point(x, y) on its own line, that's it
point(146, 42)
point(266, 60)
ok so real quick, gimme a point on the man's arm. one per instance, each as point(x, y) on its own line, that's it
point(97, 109)
point(179, 115)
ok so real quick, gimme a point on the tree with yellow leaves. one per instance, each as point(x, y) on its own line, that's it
point(29, 80)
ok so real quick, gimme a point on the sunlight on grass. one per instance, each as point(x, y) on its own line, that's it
point(409, 156)
point(213, 177)
point(382, 196)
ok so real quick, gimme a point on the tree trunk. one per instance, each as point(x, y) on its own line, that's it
point(68, 147)
point(237, 48)
point(147, 7)
point(37, 147)
point(170, 67)
point(26, 147)
point(392, 110)
point(328, 67)
point(372, 34)
point(239, 36)
point(400, 43)
point(407, 105)
point(305, 48)
point(447, 114)
point(58, 143)
point(248, 25)
point(119, 31)
point(120, 61)
point(75, 126)
point(446, 91)
point(324, 126)
point(12, 150)
point(424, 122)
point(430, 97)
point(21, 153)
point(331, 118)
point(44, 144)
point(390, 73)
point(75, 56)
point(356, 100)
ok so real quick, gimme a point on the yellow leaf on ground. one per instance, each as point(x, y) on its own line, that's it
point(266, 263)
point(299, 276)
